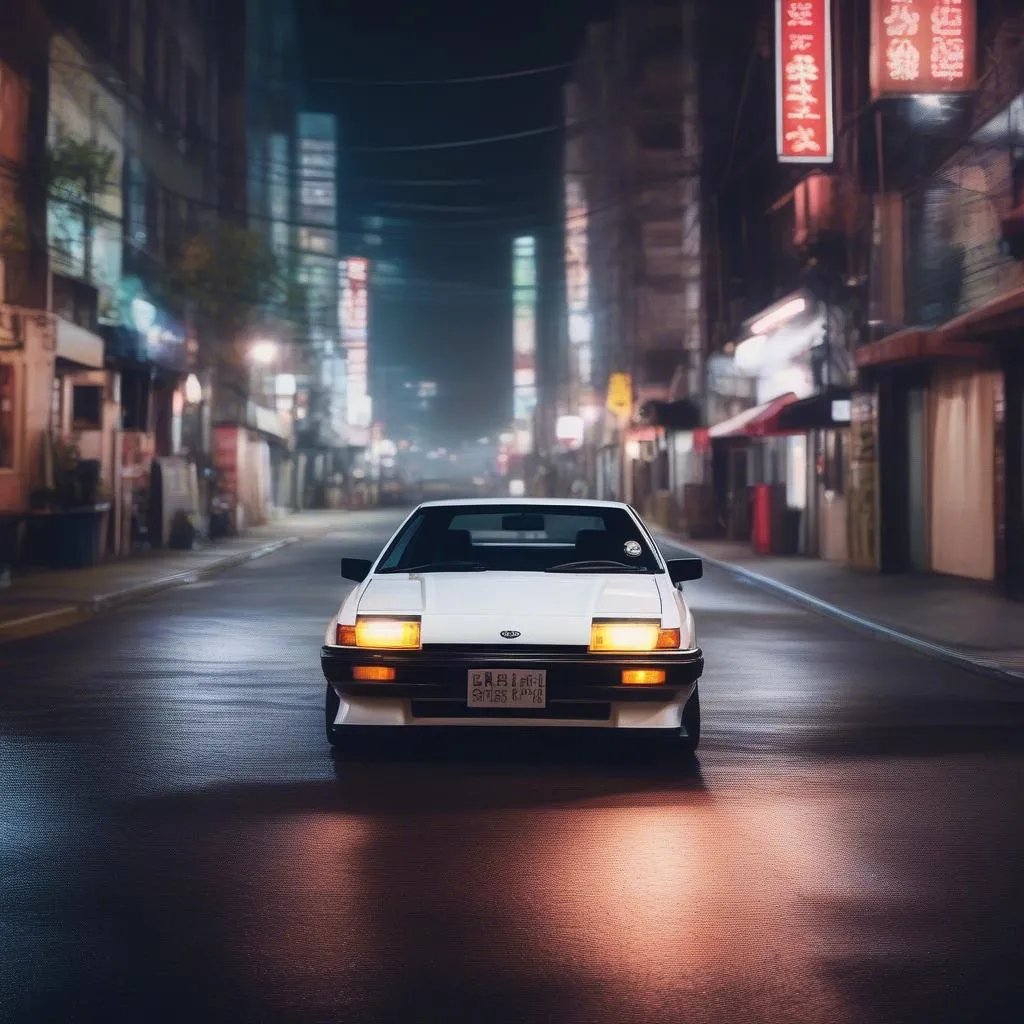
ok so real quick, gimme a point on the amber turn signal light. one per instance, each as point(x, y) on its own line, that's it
point(643, 677)
point(373, 674)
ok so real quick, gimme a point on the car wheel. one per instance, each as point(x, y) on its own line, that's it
point(691, 721)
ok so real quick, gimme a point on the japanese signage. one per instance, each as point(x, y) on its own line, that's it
point(577, 276)
point(620, 395)
point(803, 81)
point(353, 317)
point(922, 47)
point(524, 340)
point(862, 482)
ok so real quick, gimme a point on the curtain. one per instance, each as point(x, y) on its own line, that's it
point(962, 508)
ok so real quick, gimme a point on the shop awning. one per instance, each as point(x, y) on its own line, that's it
point(914, 345)
point(826, 410)
point(78, 346)
point(1003, 313)
point(756, 422)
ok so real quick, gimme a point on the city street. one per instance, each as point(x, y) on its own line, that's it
point(178, 842)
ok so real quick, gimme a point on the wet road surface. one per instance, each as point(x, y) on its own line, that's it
point(177, 842)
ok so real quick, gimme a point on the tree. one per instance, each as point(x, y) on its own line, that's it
point(77, 172)
point(235, 286)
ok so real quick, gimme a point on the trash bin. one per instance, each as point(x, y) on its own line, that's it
point(761, 534)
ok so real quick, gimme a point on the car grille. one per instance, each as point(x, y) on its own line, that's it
point(498, 651)
point(591, 711)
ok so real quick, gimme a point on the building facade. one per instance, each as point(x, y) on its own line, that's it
point(940, 400)
point(116, 164)
point(634, 295)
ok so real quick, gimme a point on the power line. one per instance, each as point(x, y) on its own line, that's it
point(460, 143)
point(116, 82)
point(502, 76)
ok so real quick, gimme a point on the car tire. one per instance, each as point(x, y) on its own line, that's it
point(691, 721)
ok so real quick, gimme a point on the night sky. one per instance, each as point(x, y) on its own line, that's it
point(451, 321)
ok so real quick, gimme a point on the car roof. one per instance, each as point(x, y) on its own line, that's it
point(520, 502)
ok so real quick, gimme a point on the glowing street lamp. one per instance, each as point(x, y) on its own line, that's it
point(264, 352)
point(193, 390)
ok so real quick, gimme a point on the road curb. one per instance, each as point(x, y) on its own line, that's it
point(68, 615)
point(801, 597)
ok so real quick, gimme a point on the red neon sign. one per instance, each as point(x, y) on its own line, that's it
point(803, 81)
point(922, 47)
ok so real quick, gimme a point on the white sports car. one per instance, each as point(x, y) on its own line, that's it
point(522, 612)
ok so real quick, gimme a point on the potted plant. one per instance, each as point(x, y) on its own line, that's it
point(66, 526)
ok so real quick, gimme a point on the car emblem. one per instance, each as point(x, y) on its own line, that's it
point(510, 634)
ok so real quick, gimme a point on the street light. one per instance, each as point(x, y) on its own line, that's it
point(264, 352)
point(193, 390)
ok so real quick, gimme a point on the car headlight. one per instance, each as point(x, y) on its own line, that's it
point(380, 633)
point(631, 638)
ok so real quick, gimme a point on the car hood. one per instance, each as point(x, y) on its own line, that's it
point(543, 608)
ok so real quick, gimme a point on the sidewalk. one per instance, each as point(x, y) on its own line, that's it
point(46, 600)
point(960, 620)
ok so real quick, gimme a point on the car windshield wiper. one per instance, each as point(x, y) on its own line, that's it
point(444, 567)
point(596, 565)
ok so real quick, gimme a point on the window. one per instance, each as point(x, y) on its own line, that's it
point(153, 235)
point(173, 76)
point(152, 68)
point(173, 221)
point(6, 416)
point(193, 104)
point(138, 233)
point(520, 538)
point(87, 407)
point(314, 241)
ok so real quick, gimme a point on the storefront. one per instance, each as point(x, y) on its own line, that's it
point(778, 467)
point(148, 349)
point(987, 407)
point(936, 408)
point(745, 456)
point(817, 430)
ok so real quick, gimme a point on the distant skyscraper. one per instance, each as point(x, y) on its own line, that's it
point(318, 272)
point(272, 91)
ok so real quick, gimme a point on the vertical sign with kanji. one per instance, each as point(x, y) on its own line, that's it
point(803, 81)
point(922, 47)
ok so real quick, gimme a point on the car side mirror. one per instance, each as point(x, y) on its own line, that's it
point(683, 570)
point(355, 569)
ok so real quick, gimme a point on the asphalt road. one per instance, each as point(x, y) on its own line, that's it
point(177, 842)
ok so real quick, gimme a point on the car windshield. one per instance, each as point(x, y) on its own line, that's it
point(520, 538)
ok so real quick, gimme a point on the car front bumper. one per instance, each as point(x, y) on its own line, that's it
point(431, 687)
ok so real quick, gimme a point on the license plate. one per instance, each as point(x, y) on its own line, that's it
point(507, 688)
